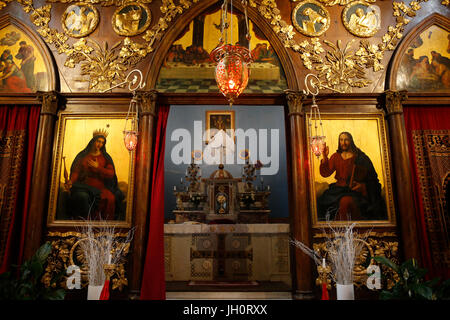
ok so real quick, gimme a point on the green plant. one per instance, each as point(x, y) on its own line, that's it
point(26, 284)
point(411, 283)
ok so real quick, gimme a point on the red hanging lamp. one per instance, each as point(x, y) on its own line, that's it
point(232, 70)
point(317, 139)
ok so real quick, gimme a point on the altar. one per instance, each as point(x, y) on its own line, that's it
point(197, 252)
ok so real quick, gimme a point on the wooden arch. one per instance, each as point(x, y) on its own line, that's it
point(434, 19)
point(6, 20)
point(175, 29)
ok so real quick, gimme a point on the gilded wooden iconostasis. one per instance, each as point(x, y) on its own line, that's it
point(348, 45)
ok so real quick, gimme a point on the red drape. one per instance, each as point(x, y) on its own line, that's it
point(13, 118)
point(424, 118)
point(153, 280)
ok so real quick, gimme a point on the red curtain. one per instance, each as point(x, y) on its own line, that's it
point(153, 280)
point(424, 118)
point(18, 124)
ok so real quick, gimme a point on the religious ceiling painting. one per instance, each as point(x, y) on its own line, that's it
point(92, 171)
point(188, 67)
point(79, 20)
point(131, 19)
point(425, 66)
point(22, 66)
point(311, 18)
point(361, 19)
point(352, 183)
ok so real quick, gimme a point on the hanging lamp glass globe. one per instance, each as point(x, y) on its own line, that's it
point(232, 70)
point(130, 139)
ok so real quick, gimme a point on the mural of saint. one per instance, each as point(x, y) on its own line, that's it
point(26, 54)
point(22, 65)
point(361, 19)
point(12, 78)
point(356, 194)
point(188, 66)
point(93, 184)
point(311, 18)
point(131, 19)
point(79, 20)
point(425, 65)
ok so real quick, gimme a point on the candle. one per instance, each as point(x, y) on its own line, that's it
point(323, 263)
point(174, 188)
point(268, 188)
point(109, 258)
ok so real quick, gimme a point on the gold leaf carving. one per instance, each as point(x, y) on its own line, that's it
point(340, 70)
point(103, 3)
point(377, 244)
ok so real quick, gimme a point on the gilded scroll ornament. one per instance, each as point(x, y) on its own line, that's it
point(311, 18)
point(66, 251)
point(330, 3)
point(361, 19)
point(103, 3)
point(131, 19)
point(376, 244)
point(79, 20)
point(370, 55)
point(105, 66)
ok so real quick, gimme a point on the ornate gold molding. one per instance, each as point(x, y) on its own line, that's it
point(394, 102)
point(104, 66)
point(49, 102)
point(295, 102)
point(376, 244)
point(103, 3)
point(65, 251)
point(367, 56)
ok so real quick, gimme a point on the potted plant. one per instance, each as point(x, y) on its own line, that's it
point(26, 284)
point(410, 283)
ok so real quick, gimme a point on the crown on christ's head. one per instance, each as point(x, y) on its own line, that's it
point(100, 132)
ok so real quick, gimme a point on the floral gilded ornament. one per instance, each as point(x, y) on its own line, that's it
point(369, 56)
point(104, 66)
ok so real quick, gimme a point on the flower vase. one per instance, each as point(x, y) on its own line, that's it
point(94, 292)
point(345, 292)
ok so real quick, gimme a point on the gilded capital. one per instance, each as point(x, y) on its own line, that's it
point(295, 102)
point(49, 102)
point(394, 101)
point(147, 101)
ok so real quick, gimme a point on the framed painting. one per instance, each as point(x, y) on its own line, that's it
point(92, 171)
point(351, 179)
point(219, 120)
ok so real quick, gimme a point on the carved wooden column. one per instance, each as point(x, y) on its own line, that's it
point(300, 215)
point(406, 216)
point(41, 173)
point(143, 173)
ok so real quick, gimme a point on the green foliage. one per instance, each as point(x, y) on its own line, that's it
point(27, 285)
point(411, 283)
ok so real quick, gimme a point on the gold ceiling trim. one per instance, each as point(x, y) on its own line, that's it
point(341, 68)
point(103, 3)
point(104, 66)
